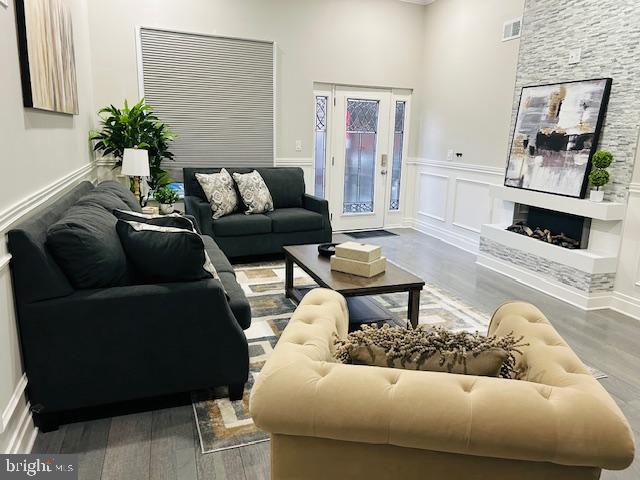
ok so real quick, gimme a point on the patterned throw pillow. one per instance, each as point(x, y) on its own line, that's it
point(220, 192)
point(254, 192)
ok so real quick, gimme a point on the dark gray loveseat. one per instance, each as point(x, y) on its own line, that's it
point(83, 348)
point(297, 218)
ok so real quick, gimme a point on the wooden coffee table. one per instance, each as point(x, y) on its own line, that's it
point(394, 279)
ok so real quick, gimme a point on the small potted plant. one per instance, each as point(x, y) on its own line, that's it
point(166, 197)
point(599, 176)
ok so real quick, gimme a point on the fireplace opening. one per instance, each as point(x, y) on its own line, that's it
point(557, 228)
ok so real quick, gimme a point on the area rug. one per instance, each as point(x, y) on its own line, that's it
point(371, 234)
point(223, 424)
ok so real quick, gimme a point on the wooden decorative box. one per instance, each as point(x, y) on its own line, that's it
point(362, 269)
point(359, 252)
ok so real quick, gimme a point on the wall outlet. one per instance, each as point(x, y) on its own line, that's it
point(450, 155)
point(298, 145)
point(575, 55)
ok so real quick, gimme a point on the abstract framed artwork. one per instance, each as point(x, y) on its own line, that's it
point(556, 134)
point(47, 57)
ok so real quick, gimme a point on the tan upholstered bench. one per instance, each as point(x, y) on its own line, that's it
point(329, 420)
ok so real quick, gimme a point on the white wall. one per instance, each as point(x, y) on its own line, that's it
point(40, 150)
point(465, 105)
point(626, 296)
point(360, 42)
point(469, 77)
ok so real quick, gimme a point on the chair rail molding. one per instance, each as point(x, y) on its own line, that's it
point(15, 212)
point(294, 162)
point(452, 200)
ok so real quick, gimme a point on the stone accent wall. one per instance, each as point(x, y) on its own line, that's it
point(572, 277)
point(609, 33)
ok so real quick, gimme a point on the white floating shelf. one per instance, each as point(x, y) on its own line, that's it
point(608, 211)
point(582, 259)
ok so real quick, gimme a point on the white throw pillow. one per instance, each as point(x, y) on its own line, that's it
point(220, 192)
point(254, 192)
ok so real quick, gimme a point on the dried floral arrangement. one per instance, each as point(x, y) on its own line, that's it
point(403, 346)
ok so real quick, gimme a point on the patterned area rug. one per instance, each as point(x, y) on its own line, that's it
point(223, 424)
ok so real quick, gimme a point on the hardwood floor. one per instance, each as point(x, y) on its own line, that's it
point(163, 444)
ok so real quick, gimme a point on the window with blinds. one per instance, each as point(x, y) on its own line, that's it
point(215, 93)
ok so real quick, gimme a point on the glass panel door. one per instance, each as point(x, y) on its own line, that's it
point(360, 155)
point(361, 132)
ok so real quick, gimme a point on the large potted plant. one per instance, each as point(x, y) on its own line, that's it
point(135, 127)
point(599, 176)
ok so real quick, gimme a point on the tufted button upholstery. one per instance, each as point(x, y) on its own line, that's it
point(557, 414)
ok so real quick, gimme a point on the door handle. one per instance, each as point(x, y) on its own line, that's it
point(383, 172)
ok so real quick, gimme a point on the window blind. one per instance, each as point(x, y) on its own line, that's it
point(215, 93)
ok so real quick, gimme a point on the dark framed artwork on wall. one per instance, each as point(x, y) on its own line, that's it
point(47, 56)
point(556, 134)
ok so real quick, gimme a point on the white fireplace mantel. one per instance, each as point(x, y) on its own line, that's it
point(607, 211)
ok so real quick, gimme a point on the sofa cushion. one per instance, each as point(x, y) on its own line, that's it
point(86, 246)
point(105, 199)
point(165, 254)
point(238, 224)
point(219, 259)
point(285, 184)
point(286, 220)
point(237, 299)
point(124, 193)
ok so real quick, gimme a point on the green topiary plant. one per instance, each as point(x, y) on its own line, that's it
point(135, 127)
point(599, 177)
point(166, 195)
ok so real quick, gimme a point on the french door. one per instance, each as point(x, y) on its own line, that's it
point(360, 158)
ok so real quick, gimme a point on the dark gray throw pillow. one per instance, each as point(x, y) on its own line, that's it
point(164, 254)
point(86, 246)
point(171, 220)
point(124, 193)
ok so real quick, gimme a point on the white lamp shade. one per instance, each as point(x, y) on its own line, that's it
point(135, 162)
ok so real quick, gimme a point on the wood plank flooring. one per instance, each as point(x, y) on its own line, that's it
point(163, 444)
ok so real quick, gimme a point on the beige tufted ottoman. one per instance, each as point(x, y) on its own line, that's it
point(334, 421)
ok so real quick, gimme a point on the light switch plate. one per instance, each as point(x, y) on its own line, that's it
point(450, 155)
point(575, 55)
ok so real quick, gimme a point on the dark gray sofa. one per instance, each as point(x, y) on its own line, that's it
point(297, 218)
point(83, 348)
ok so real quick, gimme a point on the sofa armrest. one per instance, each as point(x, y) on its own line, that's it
point(303, 391)
point(318, 205)
point(139, 338)
point(201, 210)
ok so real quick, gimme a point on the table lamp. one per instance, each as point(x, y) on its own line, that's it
point(135, 163)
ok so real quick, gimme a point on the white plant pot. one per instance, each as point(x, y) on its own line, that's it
point(166, 208)
point(596, 195)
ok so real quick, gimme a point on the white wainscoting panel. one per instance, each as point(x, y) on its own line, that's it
point(17, 432)
point(472, 205)
point(433, 195)
point(452, 200)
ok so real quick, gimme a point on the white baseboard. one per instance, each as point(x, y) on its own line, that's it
point(626, 305)
point(14, 400)
point(463, 242)
point(24, 433)
point(596, 301)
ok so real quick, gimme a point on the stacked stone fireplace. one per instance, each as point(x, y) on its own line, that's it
point(564, 246)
